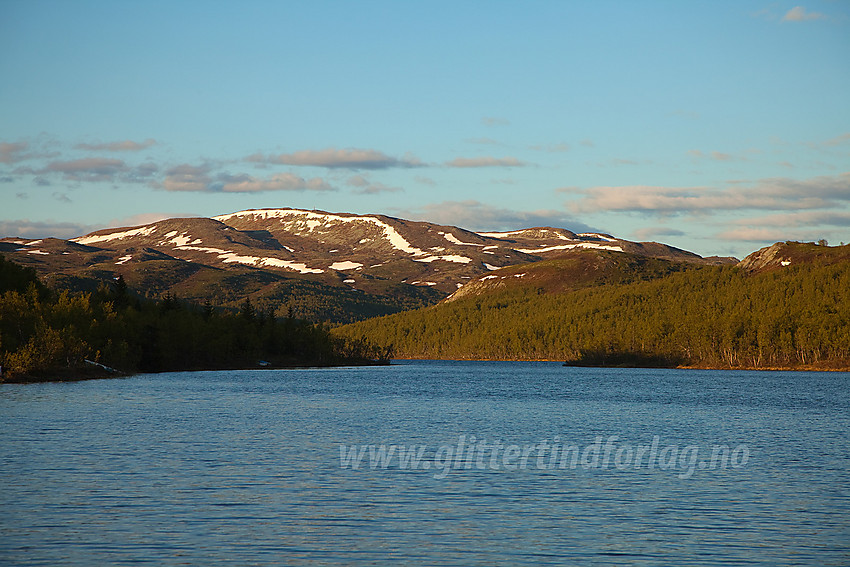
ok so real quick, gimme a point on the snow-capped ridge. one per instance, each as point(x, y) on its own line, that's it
point(105, 236)
point(383, 252)
point(313, 219)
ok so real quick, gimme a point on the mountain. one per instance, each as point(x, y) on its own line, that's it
point(572, 270)
point(579, 268)
point(785, 306)
point(784, 254)
point(323, 266)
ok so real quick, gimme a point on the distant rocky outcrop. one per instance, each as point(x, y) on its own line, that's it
point(784, 254)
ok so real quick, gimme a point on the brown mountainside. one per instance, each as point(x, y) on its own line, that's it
point(333, 266)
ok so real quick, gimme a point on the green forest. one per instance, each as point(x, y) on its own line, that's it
point(703, 316)
point(47, 334)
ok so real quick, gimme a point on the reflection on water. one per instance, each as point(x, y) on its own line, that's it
point(244, 467)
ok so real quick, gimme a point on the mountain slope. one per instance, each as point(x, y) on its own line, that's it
point(324, 266)
point(598, 308)
point(571, 270)
point(784, 254)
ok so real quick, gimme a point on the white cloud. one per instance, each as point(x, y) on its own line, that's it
point(88, 169)
point(654, 199)
point(279, 182)
point(11, 152)
point(768, 194)
point(551, 148)
point(98, 170)
point(757, 234)
point(333, 158)
point(43, 229)
point(768, 235)
point(200, 178)
point(715, 155)
point(486, 161)
point(474, 215)
point(367, 187)
point(494, 121)
point(653, 232)
point(357, 181)
point(799, 14)
point(838, 140)
point(120, 146)
point(67, 230)
point(831, 146)
point(375, 188)
point(484, 141)
point(800, 219)
point(186, 177)
point(145, 218)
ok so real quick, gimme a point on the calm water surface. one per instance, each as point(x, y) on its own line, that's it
point(246, 468)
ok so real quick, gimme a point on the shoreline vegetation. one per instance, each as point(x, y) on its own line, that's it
point(826, 366)
point(89, 373)
point(47, 335)
point(79, 374)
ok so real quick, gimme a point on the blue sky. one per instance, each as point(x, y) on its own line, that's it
point(718, 127)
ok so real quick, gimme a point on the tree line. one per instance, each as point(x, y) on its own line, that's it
point(60, 334)
point(710, 316)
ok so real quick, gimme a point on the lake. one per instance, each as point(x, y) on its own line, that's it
point(428, 462)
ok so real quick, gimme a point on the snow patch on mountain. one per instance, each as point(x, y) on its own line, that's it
point(448, 258)
point(203, 249)
point(500, 234)
point(228, 256)
point(261, 261)
point(524, 231)
point(182, 240)
point(142, 231)
point(569, 247)
point(597, 235)
point(346, 265)
point(454, 239)
point(313, 220)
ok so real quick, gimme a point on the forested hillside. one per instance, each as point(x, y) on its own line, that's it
point(797, 315)
point(50, 335)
